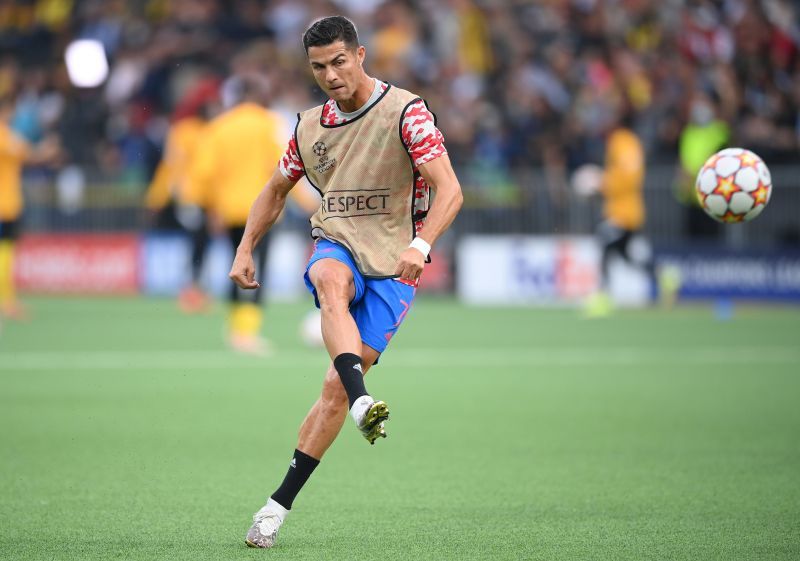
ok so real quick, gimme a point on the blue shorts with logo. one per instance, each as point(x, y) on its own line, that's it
point(379, 306)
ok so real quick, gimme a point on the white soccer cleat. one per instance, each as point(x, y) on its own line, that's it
point(266, 523)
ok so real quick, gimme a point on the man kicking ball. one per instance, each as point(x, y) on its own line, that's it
point(374, 154)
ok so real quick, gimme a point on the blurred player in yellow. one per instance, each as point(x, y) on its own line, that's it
point(621, 186)
point(171, 191)
point(235, 159)
point(14, 153)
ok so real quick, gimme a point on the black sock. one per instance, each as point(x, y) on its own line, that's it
point(300, 470)
point(348, 366)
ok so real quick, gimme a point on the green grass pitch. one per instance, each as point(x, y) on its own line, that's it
point(128, 431)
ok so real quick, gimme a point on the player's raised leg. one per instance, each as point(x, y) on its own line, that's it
point(335, 289)
point(325, 419)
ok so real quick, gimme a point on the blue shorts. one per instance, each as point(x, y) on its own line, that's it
point(379, 306)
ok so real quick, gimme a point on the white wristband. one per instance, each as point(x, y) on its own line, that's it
point(420, 244)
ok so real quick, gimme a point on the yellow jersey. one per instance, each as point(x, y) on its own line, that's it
point(239, 151)
point(172, 177)
point(13, 152)
point(623, 180)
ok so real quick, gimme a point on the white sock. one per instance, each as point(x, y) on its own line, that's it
point(277, 508)
point(359, 408)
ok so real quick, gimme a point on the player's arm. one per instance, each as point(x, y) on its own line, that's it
point(14, 147)
point(441, 178)
point(45, 152)
point(157, 195)
point(263, 214)
point(158, 192)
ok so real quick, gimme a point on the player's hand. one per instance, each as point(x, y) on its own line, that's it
point(410, 264)
point(243, 270)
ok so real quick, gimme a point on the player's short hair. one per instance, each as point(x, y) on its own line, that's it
point(329, 30)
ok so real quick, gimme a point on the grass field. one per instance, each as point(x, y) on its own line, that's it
point(129, 432)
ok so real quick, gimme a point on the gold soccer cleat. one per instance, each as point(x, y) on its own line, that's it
point(371, 426)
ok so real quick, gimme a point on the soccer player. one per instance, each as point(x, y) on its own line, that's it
point(171, 190)
point(374, 153)
point(623, 211)
point(232, 162)
point(14, 153)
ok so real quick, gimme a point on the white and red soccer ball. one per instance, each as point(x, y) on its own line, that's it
point(734, 185)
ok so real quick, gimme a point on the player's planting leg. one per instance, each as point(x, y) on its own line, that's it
point(9, 305)
point(318, 431)
point(669, 284)
point(266, 523)
point(268, 520)
point(7, 293)
point(244, 324)
point(246, 315)
point(599, 304)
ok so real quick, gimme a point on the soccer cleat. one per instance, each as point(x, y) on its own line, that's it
point(266, 523)
point(192, 300)
point(371, 425)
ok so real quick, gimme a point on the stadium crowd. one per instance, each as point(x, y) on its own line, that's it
point(514, 84)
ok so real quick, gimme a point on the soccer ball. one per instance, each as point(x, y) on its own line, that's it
point(311, 329)
point(734, 185)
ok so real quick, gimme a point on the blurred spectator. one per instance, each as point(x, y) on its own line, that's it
point(702, 136)
point(517, 83)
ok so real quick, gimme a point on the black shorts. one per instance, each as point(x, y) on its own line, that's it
point(9, 229)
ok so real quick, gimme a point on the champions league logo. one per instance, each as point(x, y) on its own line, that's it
point(319, 148)
point(325, 162)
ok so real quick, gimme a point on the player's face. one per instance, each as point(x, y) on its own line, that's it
point(337, 69)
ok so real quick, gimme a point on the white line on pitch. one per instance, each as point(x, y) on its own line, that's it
point(183, 360)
